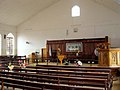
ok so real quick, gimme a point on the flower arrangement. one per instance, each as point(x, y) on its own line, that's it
point(10, 66)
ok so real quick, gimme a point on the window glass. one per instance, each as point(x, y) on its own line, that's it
point(75, 11)
point(10, 44)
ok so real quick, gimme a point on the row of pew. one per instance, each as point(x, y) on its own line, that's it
point(51, 77)
point(14, 60)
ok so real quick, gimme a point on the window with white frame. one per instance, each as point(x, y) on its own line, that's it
point(10, 44)
point(75, 11)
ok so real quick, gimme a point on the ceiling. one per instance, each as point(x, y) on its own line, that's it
point(111, 4)
point(15, 12)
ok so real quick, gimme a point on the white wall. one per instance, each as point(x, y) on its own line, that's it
point(5, 30)
point(53, 23)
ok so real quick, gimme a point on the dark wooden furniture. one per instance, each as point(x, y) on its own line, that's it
point(14, 60)
point(57, 82)
point(82, 49)
point(84, 72)
point(25, 81)
point(17, 60)
point(5, 60)
point(44, 54)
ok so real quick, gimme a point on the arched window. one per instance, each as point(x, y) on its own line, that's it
point(10, 44)
point(75, 11)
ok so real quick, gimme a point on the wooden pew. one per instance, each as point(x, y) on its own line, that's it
point(41, 86)
point(76, 69)
point(67, 66)
point(82, 68)
point(70, 73)
point(58, 82)
point(91, 75)
point(67, 71)
point(5, 60)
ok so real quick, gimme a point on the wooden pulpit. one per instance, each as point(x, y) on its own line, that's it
point(109, 57)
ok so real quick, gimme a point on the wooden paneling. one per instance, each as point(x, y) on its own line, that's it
point(44, 54)
point(88, 46)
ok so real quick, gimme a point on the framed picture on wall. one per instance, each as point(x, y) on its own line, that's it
point(74, 47)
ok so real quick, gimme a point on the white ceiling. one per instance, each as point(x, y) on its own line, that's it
point(111, 4)
point(15, 12)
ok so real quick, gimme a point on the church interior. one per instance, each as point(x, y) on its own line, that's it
point(59, 44)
